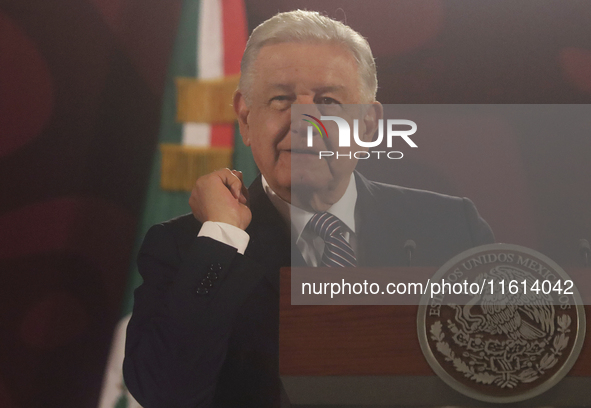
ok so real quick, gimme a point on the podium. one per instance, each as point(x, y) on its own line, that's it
point(370, 356)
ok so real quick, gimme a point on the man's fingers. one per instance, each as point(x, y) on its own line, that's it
point(232, 181)
point(238, 174)
point(242, 194)
point(243, 189)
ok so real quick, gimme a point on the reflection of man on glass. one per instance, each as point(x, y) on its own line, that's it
point(204, 330)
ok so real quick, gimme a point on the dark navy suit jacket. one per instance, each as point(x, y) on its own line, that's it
point(220, 349)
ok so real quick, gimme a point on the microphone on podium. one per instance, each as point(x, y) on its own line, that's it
point(409, 247)
point(584, 250)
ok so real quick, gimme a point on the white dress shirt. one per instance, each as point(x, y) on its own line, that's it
point(310, 245)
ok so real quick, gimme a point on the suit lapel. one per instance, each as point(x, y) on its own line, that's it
point(270, 242)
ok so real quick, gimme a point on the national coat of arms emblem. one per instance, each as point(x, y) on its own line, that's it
point(509, 327)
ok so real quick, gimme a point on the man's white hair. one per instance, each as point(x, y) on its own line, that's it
point(309, 27)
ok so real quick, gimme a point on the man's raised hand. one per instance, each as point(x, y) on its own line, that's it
point(221, 197)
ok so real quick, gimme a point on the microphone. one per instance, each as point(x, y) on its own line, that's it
point(584, 249)
point(409, 247)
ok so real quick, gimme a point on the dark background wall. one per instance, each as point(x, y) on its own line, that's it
point(80, 92)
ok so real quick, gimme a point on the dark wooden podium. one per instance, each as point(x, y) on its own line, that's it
point(369, 356)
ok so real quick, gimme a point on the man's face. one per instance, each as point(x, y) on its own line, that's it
point(298, 73)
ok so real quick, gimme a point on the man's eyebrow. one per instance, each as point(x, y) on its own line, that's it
point(330, 88)
point(282, 87)
point(322, 89)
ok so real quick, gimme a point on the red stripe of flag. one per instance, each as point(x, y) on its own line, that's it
point(234, 34)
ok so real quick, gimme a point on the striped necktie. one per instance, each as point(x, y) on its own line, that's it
point(337, 251)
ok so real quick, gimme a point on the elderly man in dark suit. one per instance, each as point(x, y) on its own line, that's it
point(204, 330)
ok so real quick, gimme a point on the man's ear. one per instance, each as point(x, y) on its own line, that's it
point(375, 112)
point(242, 112)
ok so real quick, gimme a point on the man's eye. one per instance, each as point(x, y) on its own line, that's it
point(328, 106)
point(281, 99)
point(280, 102)
point(325, 100)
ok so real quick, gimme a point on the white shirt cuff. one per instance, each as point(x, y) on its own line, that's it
point(226, 234)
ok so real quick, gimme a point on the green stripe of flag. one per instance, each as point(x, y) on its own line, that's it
point(162, 205)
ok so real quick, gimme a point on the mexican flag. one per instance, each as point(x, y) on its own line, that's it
point(198, 134)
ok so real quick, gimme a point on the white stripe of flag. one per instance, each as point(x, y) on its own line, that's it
point(210, 64)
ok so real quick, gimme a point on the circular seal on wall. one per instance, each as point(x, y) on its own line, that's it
point(501, 323)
